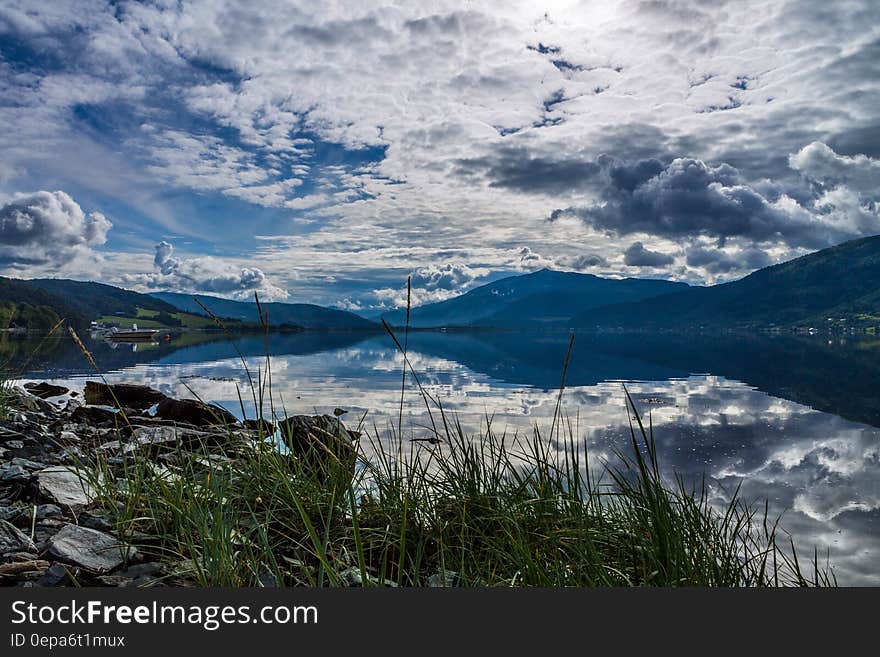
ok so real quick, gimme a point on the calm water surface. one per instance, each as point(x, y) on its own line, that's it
point(794, 419)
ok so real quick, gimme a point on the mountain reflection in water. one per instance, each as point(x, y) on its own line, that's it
point(794, 419)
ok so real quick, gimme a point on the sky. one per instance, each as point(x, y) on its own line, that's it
point(323, 151)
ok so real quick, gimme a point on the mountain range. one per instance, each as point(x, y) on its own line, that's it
point(543, 299)
point(841, 283)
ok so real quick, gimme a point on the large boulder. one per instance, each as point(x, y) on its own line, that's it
point(323, 444)
point(192, 411)
point(122, 394)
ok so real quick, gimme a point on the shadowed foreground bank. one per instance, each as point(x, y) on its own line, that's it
point(93, 497)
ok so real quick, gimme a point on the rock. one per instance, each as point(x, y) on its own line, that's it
point(89, 548)
point(143, 439)
point(94, 521)
point(45, 390)
point(351, 577)
point(261, 426)
point(16, 567)
point(66, 487)
point(23, 399)
point(27, 464)
point(127, 395)
point(68, 437)
point(58, 575)
point(444, 579)
point(155, 436)
point(45, 511)
point(24, 515)
point(13, 540)
point(96, 416)
point(268, 580)
point(11, 557)
point(14, 474)
point(192, 411)
point(321, 442)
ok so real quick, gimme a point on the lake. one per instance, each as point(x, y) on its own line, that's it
point(794, 419)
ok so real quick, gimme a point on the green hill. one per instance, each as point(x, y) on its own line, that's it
point(24, 306)
point(94, 300)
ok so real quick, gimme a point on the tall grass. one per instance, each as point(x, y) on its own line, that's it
point(495, 511)
point(483, 509)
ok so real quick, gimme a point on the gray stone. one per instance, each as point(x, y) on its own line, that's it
point(143, 439)
point(45, 511)
point(14, 474)
point(57, 575)
point(45, 390)
point(351, 577)
point(94, 521)
point(20, 567)
point(444, 579)
point(28, 464)
point(64, 486)
point(13, 540)
point(67, 437)
point(89, 548)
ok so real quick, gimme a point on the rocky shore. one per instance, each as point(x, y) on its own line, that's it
point(55, 444)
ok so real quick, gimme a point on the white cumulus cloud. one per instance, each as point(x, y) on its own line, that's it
point(48, 228)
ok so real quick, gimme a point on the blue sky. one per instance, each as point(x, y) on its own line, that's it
point(324, 151)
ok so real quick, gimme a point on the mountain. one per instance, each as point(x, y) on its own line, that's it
point(839, 282)
point(544, 298)
point(304, 315)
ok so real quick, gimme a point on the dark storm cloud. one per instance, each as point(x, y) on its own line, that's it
point(864, 140)
point(716, 261)
point(544, 171)
point(689, 198)
point(638, 256)
point(519, 169)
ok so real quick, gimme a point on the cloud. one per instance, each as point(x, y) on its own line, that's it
point(689, 198)
point(638, 256)
point(205, 274)
point(718, 261)
point(385, 123)
point(48, 228)
point(821, 164)
point(449, 276)
point(584, 261)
